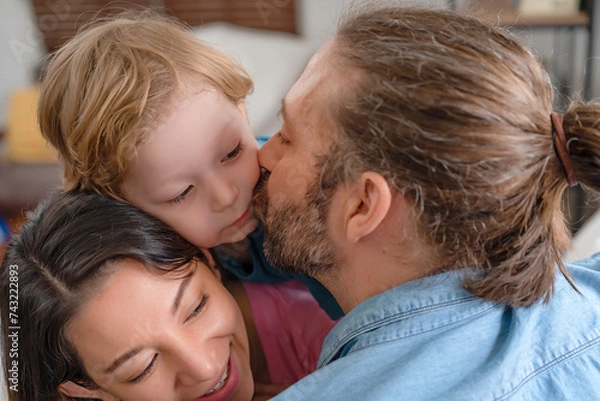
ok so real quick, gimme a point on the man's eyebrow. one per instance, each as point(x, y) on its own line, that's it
point(133, 352)
point(283, 111)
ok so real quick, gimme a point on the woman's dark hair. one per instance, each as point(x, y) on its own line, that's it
point(55, 262)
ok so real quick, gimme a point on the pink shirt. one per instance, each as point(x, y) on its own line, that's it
point(291, 326)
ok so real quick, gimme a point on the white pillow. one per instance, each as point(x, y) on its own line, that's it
point(274, 60)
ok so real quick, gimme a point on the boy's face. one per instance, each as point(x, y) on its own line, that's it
point(197, 170)
point(145, 336)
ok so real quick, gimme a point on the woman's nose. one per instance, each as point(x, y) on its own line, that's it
point(197, 366)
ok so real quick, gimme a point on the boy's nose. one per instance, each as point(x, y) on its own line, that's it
point(224, 194)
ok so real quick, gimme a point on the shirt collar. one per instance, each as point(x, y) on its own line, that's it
point(416, 300)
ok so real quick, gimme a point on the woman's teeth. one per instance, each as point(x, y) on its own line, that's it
point(221, 382)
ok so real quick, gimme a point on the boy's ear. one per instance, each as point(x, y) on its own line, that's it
point(73, 390)
point(369, 203)
point(211, 263)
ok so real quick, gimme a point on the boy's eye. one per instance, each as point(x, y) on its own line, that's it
point(233, 153)
point(181, 197)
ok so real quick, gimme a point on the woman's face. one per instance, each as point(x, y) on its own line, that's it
point(143, 336)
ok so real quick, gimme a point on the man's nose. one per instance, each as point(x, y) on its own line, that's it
point(269, 154)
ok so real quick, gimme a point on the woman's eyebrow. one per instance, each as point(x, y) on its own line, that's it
point(120, 360)
point(133, 352)
point(177, 301)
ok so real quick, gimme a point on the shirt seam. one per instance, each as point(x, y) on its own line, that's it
point(397, 317)
point(545, 368)
point(483, 311)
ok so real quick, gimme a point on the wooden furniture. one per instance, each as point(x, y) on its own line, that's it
point(58, 22)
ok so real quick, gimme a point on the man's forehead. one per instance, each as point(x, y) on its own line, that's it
point(315, 72)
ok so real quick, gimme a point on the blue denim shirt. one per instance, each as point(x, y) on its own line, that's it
point(429, 339)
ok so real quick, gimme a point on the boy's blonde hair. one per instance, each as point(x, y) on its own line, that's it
point(113, 82)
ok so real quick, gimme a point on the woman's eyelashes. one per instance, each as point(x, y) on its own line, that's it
point(146, 371)
point(199, 308)
point(234, 153)
point(181, 197)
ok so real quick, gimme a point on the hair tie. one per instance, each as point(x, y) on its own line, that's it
point(560, 145)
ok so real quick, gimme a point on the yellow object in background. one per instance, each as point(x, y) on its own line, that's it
point(24, 141)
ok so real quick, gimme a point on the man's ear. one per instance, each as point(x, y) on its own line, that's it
point(73, 390)
point(370, 202)
point(211, 263)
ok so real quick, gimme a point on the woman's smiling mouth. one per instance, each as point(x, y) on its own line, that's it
point(226, 386)
point(221, 382)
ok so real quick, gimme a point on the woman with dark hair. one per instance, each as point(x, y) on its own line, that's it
point(102, 301)
point(71, 267)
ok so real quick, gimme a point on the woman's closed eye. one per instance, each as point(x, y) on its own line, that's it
point(146, 372)
point(234, 153)
point(199, 308)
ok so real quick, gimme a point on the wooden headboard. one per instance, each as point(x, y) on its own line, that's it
point(59, 20)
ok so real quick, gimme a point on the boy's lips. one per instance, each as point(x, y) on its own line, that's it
point(244, 218)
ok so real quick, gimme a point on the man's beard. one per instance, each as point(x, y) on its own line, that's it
point(296, 236)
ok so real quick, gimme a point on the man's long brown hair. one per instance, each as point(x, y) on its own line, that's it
point(455, 113)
